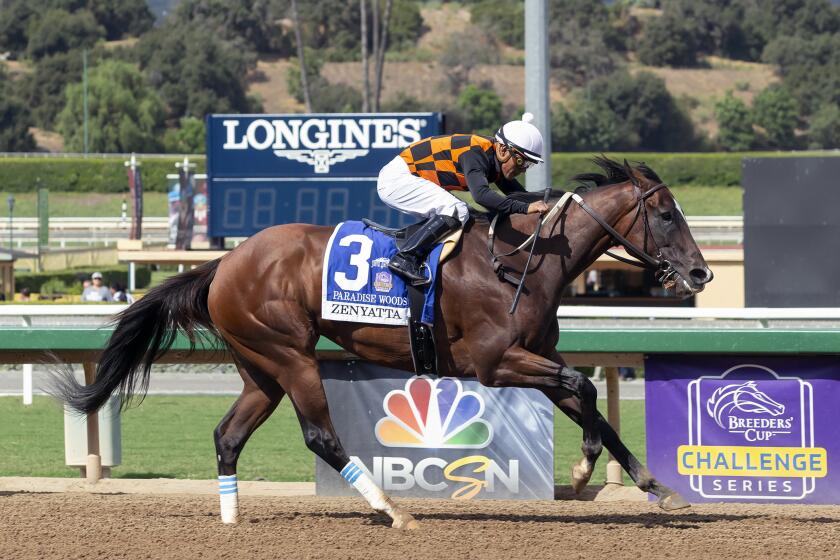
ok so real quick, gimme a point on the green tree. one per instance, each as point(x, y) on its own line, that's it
point(250, 22)
point(651, 117)
point(590, 126)
point(563, 137)
point(577, 33)
point(24, 21)
point(668, 42)
point(59, 31)
point(196, 72)
point(404, 103)
point(735, 132)
point(15, 16)
point(809, 67)
point(505, 20)
point(332, 26)
point(14, 120)
point(775, 110)
point(824, 131)
point(482, 108)
point(189, 138)
point(462, 53)
point(122, 17)
point(125, 114)
point(43, 88)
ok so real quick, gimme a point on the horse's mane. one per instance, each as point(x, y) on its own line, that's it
point(614, 172)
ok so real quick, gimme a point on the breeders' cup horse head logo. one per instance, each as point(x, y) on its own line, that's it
point(745, 397)
point(320, 159)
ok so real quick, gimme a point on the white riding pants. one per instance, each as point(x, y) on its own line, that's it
point(405, 192)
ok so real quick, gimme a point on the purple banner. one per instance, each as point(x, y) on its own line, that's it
point(745, 429)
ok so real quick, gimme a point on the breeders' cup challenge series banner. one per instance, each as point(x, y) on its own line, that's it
point(745, 429)
point(265, 170)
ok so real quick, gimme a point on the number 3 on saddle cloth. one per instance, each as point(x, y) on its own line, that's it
point(357, 285)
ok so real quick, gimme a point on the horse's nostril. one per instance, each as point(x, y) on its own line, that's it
point(701, 275)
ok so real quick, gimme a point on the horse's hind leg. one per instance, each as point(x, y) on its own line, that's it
point(307, 393)
point(259, 398)
point(295, 368)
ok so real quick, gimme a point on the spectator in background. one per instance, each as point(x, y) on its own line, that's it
point(25, 294)
point(627, 373)
point(97, 291)
point(118, 293)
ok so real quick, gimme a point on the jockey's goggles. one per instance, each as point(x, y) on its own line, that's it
point(521, 161)
point(522, 157)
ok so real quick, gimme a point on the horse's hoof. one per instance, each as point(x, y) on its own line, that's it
point(673, 502)
point(405, 521)
point(581, 473)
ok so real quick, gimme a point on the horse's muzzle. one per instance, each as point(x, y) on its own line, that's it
point(701, 276)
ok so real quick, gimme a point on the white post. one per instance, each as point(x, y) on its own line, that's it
point(131, 279)
point(27, 384)
point(536, 86)
point(93, 465)
point(614, 475)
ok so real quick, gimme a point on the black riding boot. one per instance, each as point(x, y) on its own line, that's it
point(409, 260)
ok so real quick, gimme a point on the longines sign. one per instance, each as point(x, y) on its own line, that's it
point(311, 145)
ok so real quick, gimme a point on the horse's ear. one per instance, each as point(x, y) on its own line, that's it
point(631, 174)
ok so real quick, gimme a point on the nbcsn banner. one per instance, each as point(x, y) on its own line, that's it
point(438, 437)
point(745, 428)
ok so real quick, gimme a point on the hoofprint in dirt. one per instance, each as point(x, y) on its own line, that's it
point(76, 525)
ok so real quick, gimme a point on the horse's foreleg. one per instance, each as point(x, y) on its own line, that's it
point(668, 499)
point(250, 410)
point(644, 480)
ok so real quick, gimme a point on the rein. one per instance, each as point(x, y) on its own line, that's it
point(644, 259)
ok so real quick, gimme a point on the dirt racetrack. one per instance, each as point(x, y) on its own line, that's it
point(82, 525)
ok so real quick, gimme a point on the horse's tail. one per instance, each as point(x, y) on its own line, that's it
point(144, 331)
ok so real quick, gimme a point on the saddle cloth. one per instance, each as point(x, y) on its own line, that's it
point(357, 285)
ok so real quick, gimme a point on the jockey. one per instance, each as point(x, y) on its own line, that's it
point(417, 182)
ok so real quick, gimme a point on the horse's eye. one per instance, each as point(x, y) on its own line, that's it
point(666, 216)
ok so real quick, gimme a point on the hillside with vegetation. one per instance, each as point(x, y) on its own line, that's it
point(644, 75)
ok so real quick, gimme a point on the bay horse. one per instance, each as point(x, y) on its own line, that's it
point(263, 300)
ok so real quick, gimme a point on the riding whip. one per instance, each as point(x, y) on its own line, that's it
point(546, 196)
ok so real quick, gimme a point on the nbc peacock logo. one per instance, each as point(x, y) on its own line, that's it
point(434, 414)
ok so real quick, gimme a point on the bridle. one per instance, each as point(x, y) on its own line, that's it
point(664, 270)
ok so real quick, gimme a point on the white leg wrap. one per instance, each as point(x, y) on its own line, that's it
point(229, 498)
point(377, 499)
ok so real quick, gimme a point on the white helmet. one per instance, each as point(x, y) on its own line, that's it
point(523, 137)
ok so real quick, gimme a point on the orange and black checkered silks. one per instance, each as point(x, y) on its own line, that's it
point(436, 158)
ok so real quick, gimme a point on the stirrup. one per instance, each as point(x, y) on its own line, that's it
point(426, 271)
point(409, 276)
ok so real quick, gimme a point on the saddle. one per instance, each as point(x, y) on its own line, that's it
point(420, 335)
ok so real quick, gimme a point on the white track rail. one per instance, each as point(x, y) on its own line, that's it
point(754, 313)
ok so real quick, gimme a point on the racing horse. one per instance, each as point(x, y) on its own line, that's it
point(263, 300)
